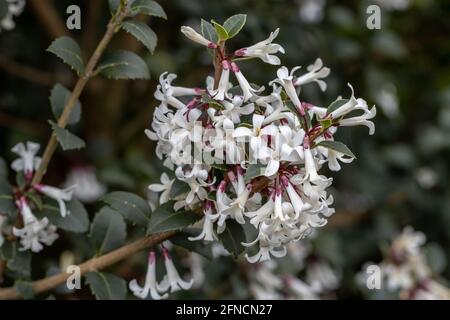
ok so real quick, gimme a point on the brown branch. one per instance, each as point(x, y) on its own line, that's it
point(81, 83)
point(91, 265)
point(49, 17)
point(30, 73)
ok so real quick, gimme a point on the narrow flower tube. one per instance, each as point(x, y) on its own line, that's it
point(222, 88)
point(197, 37)
point(247, 90)
point(57, 194)
point(173, 280)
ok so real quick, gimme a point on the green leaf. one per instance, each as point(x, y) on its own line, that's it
point(178, 188)
point(254, 171)
point(21, 181)
point(3, 169)
point(77, 221)
point(130, 206)
point(337, 146)
point(108, 230)
point(68, 140)
point(6, 197)
point(220, 30)
point(211, 102)
point(141, 32)
point(123, 65)
point(35, 199)
point(234, 24)
point(165, 219)
point(148, 7)
point(59, 97)
point(25, 289)
point(232, 237)
point(208, 31)
point(69, 51)
point(200, 247)
point(106, 286)
point(336, 104)
point(20, 262)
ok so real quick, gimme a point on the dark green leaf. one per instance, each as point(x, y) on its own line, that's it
point(234, 24)
point(106, 286)
point(68, 140)
point(59, 97)
point(253, 171)
point(20, 262)
point(108, 230)
point(209, 32)
point(200, 247)
point(142, 32)
point(164, 218)
point(69, 51)
point(232, 237)
point(178, 188)
point(336, 146)
point(148, 7)
point(130, 205)
point(77, 221)
point(123, 65)
point(6, 197)
point(220, 30)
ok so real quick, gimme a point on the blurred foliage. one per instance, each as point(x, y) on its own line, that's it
point(402, 173)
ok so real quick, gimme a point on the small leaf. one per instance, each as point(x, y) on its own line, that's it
point(141, 32)
point(337, 146)
point(148, 7)
point(234, 24)
point(130, 206)
point(123, 65)
point(232, 237)
point(77, 221)
point(336, 104)
point(178, 188)
point(68, 140)
point(165, 219)
point(208, 31)
point(200, 247)
point(220, 30)
point(25, 289)
point(254, 171)
point(58, 100)
point(69, 51)
point(106, 286)
point(6, 197)
point(108, 230)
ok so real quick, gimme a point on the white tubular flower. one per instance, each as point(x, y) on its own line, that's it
point(234, 110)
point(315, 74)
point(173, 280)
point(361, 120)
point(89, 188)
point(264, 50)
point(286, 80)
point(150, 286)
point(300, 289)
point(28, 161)
point(166, 93)
point(222, 89)
point(197, 37)
point(310, 167)
point(165, 187)
point(263, 213)
point(295, 198)
point(350, 105)
point(13, 8)
point(207, 233)
point(236, 208)
point(265, 249)
point(58, 195)
point(35, 232)
point(322, 277)
point(247, 90)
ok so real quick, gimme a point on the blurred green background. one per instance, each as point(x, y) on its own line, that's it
point(401, 176)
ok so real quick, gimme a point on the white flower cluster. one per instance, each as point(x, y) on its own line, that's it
point(405, 269)
point(35, 232)
point(259, 154)
point(13, 9)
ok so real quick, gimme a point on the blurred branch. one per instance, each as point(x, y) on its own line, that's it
point(30, 73)
point(49, 17)
point(89, 37)
point(91, 265)
point(115, 21)
point(31, 127)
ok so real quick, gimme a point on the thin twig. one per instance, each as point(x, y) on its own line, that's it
point(81, 83)
point(91, 265)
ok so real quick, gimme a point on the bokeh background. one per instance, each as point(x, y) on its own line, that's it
point(401, 176)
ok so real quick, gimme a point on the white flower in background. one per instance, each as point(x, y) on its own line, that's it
point(173, 280)
point(35, 232)
point(151, 286)
point(14, 9)
point(321, 276)
point(89, 189)
point(165, 187)
point(28, 162)
point(300, 289)
point(316, 72)
point(311, 11)
point(59, 195)
point(426, 177)
point(197, 37)
point(264, 50)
